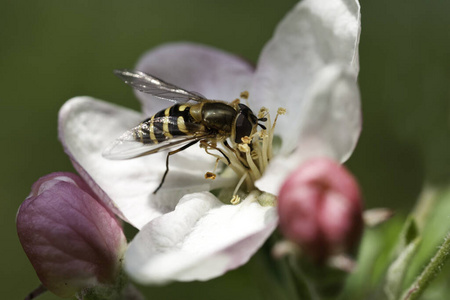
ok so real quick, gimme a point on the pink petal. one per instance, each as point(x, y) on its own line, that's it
point(320, 208)
point(71, 239)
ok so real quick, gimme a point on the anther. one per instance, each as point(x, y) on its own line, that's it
point(244, 95)
point(235, 200)
point(210, 175)
point(244, 148)
point(262, 112)
point(281, 111)
point(246, 140)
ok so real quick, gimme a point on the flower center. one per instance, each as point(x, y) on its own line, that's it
point(250, 158)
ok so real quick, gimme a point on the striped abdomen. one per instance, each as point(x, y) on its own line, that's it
point(168, 123)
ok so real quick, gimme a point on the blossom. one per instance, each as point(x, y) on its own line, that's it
point(71, 239)
point(309, 67)
point(320, 209)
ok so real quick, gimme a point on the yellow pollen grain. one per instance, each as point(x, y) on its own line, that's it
point(244, 95)
point(181, 125)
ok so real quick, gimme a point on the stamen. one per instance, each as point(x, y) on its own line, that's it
point(236, 199)
point(264, 150)
point(215, 166)
point(255, 172)
point(280, 111)
point(212, 175)
point(250, 158)
point(235, 164)
point(236, 154)
point(259, 158)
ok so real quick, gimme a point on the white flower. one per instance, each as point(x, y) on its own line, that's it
point(309, 67)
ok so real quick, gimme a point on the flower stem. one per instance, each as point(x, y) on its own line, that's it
point(429, 273)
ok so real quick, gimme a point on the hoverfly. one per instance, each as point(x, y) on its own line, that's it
point(192, 119)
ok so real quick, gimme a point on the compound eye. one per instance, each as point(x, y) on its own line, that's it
point(243, 127)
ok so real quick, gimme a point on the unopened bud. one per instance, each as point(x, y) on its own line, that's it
point(72, 241)
point(320, 209)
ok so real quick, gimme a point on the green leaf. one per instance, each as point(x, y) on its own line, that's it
point(408, 243)
point(397, 270)
point(408, 234)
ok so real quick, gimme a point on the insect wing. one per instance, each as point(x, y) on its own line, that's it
point(127, 146)
point(154, 86)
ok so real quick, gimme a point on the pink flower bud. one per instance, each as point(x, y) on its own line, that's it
point(320, 209)
point(72, 241)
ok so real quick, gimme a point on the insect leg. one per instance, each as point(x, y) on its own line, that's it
point(213, 146)
point(228, 146)
point(167, 162)
point(226, 157)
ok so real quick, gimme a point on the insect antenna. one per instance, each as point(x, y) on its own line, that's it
point(262, 120)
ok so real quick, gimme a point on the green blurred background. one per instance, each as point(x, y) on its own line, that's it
point(52, 50)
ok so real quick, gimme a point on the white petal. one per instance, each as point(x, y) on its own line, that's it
point(329, 125)
point(213, 73)
point(314, 34)
point(201, 239)
point(87, 126)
